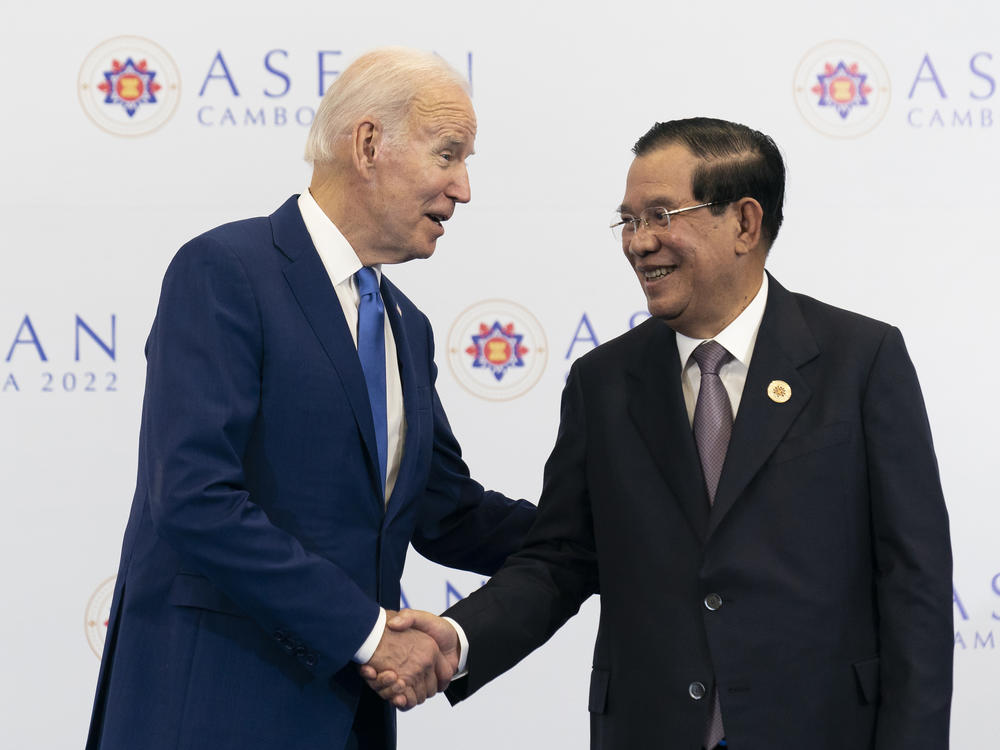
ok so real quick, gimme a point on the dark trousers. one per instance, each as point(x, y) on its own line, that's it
point(370, 722)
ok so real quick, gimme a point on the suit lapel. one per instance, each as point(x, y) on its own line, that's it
point(310, 283)
point(407, 374)
point(656, 407)
point(784, 343)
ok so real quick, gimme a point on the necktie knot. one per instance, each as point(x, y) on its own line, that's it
point(367, 281)
point(710, 356)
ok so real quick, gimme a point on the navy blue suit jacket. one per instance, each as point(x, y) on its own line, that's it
point(259, 549)
point(815, 592)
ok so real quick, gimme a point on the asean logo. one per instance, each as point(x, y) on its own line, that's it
point(129, 86)
point(842, 89)
point(497, 350)
point(95, 621)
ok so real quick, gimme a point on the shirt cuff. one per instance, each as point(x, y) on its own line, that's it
point(367, 650)
point(463, 648)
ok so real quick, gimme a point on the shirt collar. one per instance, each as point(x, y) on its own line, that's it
point(739, 337)
point(336, 253)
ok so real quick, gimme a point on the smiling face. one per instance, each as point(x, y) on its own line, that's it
point(699, 274)
point(420, 175)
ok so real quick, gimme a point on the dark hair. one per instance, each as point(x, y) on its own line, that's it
point(736, 162)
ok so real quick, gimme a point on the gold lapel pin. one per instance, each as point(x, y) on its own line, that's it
point(399, 310)
point(779, 391)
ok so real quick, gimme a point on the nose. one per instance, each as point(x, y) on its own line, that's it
point(459, 189)
point(643, 242)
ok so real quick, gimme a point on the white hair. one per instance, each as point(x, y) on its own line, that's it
point(380, 84)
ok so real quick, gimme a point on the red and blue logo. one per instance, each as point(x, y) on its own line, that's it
point(497, 348)
point(129, 84)
point(842, 89)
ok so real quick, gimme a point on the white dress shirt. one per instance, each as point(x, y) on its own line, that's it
point(739, 339)
point(341, 263)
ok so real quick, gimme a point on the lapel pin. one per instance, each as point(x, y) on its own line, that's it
point(399, 311)
point(779, 391)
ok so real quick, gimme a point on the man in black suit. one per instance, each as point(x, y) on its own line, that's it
point(781, 579)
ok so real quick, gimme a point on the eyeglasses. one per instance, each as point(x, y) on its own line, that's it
point(655, 217)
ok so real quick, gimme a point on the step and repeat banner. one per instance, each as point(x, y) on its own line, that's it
point(128, 129)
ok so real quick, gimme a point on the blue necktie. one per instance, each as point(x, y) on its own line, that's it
point(371, 352)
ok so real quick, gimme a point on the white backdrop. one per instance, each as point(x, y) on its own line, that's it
point(887, 213)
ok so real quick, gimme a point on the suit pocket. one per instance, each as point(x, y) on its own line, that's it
point(824, 437)
point(599, 679)
point(190, 590)
point(866, 673)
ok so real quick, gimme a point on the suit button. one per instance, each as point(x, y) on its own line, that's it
point(713, 602)
point(696, 690)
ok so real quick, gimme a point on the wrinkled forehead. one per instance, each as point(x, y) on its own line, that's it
point(444, 110)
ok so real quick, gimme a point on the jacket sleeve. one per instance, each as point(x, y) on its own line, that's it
point(461, 524)
point(542, 585)
point(203, 390)
point(912, 555)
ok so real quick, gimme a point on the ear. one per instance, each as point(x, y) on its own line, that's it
point(367, 145)
point(750, 215)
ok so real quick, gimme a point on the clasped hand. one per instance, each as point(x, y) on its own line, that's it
point(415, 659)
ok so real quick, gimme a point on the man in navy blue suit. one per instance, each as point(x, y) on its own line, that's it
point(279, 483)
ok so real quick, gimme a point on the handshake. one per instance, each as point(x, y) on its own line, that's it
point(416, 658)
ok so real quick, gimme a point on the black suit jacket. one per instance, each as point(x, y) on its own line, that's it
point(827, 546)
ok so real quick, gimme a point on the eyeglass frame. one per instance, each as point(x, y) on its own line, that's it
point(667, 213)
